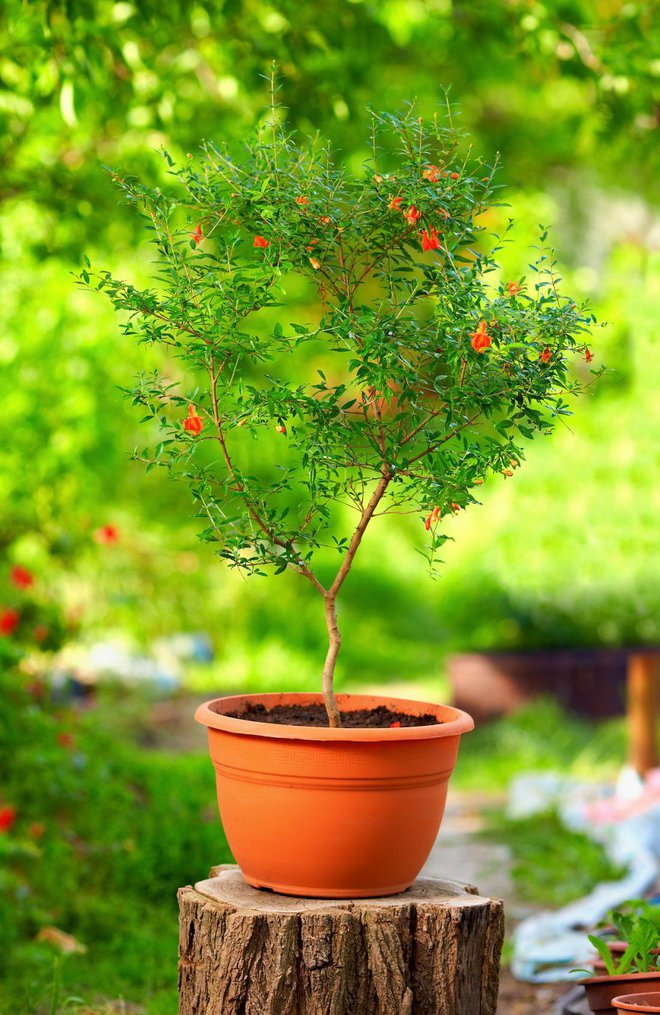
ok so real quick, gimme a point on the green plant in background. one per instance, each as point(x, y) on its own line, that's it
point(551, 864)
point(86, 80)
point(638, 928)
point(432, 374)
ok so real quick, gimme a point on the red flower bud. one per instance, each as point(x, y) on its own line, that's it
point(197, 236)
point(260, 241)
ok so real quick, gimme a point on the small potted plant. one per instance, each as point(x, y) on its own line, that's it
point(612, 931)
point(402, 372)
point(635, 968)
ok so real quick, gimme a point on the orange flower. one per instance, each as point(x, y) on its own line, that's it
point(314, 263)
point(413, 215)
point(455, 176)
point(197, 236)
point(480, 339)
point(281, 429)
point(546, 355)
point(260, 241)
point(193, 424)
point(325, 219)
point(394, 204)
point(302, 200)
point(431, 173)
point(430, 240)
point(588, 355)
point(432, 518)
point(513, 288)
point(455, 506)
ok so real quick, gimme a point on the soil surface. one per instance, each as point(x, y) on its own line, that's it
point(315, 715)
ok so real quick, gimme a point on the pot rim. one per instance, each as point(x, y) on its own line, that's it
point(453, 721)
point(653, 974)
point(633, 1003)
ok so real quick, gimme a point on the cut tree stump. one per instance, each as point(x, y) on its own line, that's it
point(434, 950)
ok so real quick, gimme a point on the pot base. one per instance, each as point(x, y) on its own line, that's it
point(323, 892)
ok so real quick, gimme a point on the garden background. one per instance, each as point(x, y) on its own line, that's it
point(99, 830)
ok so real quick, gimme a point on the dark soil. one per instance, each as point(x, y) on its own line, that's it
point(315, 715)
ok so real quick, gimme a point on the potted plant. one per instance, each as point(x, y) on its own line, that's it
point(416, 374)
point(612, 930)
point(634, 969)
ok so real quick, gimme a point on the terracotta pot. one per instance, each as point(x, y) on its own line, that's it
point(637, 1002)
point(331, 813)
point(601, 990)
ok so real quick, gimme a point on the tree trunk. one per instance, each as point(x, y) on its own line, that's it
point(434, 950)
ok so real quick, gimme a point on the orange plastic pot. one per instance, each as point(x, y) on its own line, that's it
point(331, 813)
point(601, 990)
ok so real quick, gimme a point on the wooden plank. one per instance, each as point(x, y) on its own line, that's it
point(643, 687)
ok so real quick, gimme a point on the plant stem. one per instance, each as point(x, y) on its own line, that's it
point(334, 644)
point(334, 636)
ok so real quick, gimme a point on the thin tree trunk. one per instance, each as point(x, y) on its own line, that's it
point(334, 644)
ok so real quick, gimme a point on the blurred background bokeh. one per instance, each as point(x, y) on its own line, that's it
point(564, 554)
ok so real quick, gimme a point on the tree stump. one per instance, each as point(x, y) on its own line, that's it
point(434, 950)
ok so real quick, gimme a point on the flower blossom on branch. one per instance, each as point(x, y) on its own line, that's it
point(480, 339)
point(193, 423)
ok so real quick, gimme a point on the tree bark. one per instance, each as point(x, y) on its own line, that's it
point(434, 950)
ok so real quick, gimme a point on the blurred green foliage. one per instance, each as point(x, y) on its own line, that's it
point(101, 839)
point(566, 90)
